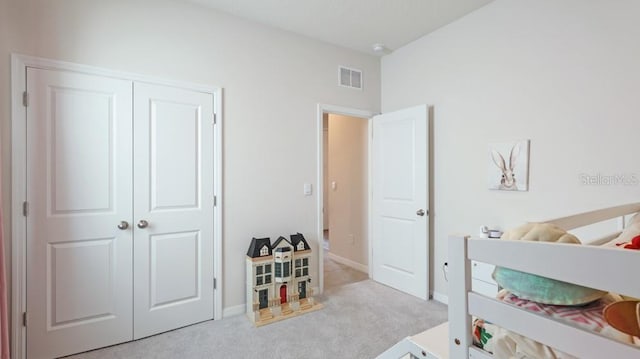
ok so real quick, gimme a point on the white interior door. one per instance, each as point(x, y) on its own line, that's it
point(400, 240)
point(173, 181)
point(79, 188)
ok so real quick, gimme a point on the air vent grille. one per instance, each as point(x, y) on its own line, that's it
point(349, 77)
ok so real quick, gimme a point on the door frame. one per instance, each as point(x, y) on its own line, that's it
point(19, 65)
point(345, 111)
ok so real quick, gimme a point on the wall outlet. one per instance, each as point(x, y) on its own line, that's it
point(445, 267)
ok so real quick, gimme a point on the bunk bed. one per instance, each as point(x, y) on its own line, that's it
point(604, 267)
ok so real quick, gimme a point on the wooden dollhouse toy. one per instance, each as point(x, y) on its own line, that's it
point(278, 281)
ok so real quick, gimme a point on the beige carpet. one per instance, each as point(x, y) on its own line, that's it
point(360, 320)
point(337, 274)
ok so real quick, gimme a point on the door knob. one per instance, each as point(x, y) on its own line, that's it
point(420, 212)
point(123, 225)
point(143, 224)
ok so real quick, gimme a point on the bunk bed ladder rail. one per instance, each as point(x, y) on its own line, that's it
point(459, 287)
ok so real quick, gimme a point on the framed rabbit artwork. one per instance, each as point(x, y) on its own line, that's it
point(508, 164)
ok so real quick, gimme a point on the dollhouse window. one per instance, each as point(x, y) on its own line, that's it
point(283, 270)
point(286, 270)
point(263, 277)
point(302, 267)
point(264, 251)
point(301, 246)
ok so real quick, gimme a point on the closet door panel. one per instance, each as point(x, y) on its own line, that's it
point(79, 189)
point(173, 208)
point(174, 155)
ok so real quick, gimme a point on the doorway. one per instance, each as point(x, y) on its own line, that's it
point(344, 199)
point(302, 290)
point(283, 294)
point(397, 243)
point(263, 298)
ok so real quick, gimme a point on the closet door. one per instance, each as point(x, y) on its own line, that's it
point(79, 190)
point(173, 208)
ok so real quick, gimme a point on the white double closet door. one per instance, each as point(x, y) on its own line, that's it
point(120, 221)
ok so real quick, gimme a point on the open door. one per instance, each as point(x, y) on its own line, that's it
point(400, 223)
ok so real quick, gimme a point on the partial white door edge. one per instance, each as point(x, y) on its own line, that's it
point(18, 197)
point(19, 64)
point(218, 203)
point(346, 111)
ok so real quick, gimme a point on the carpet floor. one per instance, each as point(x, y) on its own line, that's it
point(337, 274)
point(359, 320)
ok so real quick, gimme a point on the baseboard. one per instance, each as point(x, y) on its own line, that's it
point(439, 297)
point(233, 311)
point(349, 263)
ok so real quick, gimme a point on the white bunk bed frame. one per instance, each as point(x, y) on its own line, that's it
point(608, 269)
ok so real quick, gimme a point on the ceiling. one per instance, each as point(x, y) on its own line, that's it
point(355, 24)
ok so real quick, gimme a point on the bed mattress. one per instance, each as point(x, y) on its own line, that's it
point(506, 344)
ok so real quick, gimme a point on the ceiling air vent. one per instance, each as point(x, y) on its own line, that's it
point(349, 77)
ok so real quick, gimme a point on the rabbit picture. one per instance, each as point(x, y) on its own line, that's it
point(508, 180)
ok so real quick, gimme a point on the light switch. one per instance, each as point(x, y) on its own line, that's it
point(307, 189)
point(334, 185)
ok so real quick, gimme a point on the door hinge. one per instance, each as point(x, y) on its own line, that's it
point(25, 99)
point(25, 208)
point(215, 118)
point(215, 201)
point(24, 319)
point(215, 283)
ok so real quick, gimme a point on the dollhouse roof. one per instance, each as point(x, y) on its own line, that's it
point(256, 245)
point(296, 239)
point(279, 240)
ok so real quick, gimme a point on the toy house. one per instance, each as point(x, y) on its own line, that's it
point(278, 281)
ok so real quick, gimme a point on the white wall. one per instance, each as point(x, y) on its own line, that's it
point(272, 80)
point(561, 73)
point(348, 202)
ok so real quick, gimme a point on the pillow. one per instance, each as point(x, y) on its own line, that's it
point(624, 316)
point(541, 289)
point(544, 290)
point(541, 232)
